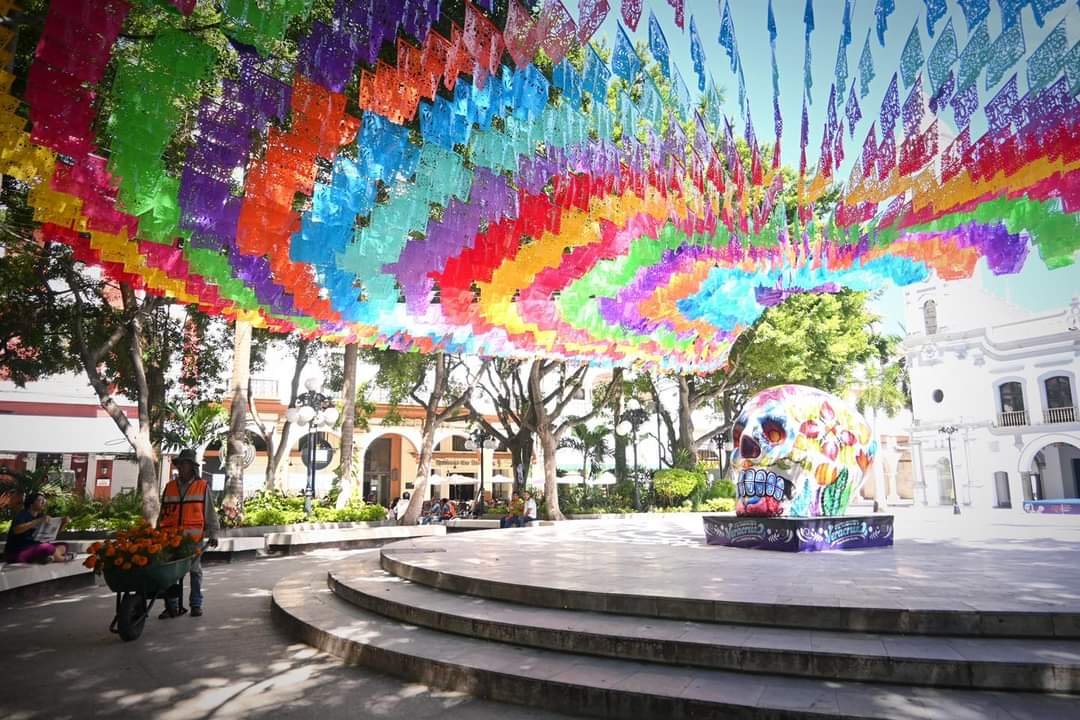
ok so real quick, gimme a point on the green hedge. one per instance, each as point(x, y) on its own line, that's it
point(268, 507)
point(674, 485)
point(120, 513)
point(715, 505)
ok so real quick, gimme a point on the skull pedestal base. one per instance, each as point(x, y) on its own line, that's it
point(800, 534)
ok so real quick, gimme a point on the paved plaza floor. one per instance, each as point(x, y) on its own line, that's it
point(61, 662)
point(1003, 561)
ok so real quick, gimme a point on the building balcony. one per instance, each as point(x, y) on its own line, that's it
point(1018, 418)
point(1059, 415)
point(263, 388)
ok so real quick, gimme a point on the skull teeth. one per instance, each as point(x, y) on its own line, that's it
point(761, 483)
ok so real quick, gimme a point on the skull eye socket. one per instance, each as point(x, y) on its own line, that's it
point(736, 433)
point(773, 431)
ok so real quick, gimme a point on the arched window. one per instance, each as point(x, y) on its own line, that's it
point(929, 314)
point(1059, 399)
point(1012, 397)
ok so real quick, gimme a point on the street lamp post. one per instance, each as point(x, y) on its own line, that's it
point(631, 420)
point(312, 409)
point(722, 450)
point(481, 441)
point(949, 430)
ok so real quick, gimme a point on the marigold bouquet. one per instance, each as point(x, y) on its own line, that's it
point(141, 546)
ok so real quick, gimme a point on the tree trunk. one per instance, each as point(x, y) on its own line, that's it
point(148, 475)
point(548, 442)
point(620, 440)
point(144, 445)
point(233, 504)
point(278, 461)
point(686, 427)
point(551, 485)
point(138, 438)
point(423, 470)
point(348, 424)
point(521, 450)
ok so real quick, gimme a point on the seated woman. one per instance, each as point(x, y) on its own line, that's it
point(21, 546)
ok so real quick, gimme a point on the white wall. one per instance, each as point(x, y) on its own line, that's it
point(982, 342)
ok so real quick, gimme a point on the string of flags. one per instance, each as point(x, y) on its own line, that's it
point(537, 178)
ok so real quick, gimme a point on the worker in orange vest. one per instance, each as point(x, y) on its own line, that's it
point(186, 505)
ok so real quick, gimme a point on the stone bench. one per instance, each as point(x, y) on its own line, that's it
point(463, 524)
point(467, 524)
point(351, 538)
point(20, 581)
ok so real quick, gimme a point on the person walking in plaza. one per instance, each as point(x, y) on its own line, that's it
point(400, 507)
point(530, 514)
point(186, 505)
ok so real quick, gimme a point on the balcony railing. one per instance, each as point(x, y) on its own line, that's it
point(1059, 415)
point(264, 388)
point(1017, 418)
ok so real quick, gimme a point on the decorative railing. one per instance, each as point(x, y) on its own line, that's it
point(1059, 415)
point(264, 388)
point(1012, 419)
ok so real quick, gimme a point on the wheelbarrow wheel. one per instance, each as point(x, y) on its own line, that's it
point(131, 618)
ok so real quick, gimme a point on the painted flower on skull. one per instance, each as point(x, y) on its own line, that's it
point(799, 451)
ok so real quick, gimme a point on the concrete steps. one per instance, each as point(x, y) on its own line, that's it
point(608, 687)
point(940, 661)
point(434, 567)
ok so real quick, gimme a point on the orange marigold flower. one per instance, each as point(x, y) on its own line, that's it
point(127, 566)
point(110, 550)
point(118, 562)
point(175, 542)
point(139, 560)
point(154, 549)
point(90, 562)
point(94, 548)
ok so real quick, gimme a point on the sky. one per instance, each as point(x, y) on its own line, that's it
point(1035, 288)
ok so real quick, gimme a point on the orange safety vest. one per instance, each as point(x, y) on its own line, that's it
point(187, 513)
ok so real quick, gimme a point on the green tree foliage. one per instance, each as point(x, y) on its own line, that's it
point(816, 340)
point(194, 425)
point(592, 443)
point(674, 485)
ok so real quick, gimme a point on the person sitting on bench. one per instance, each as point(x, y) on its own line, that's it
point(22, 546)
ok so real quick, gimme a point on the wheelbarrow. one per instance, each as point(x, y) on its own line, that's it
point(138, 588)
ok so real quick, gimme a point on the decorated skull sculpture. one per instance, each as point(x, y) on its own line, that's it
point(799, 451)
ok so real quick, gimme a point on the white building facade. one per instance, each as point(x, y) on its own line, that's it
point(59, 424)
point(998, 384)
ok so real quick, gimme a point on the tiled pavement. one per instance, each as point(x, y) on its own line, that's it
point(60, 661)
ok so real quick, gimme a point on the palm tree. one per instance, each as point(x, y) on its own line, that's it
point(592, 444)
point(194, 426)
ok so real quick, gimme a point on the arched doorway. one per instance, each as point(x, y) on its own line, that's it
point(1052, 472)
point(389, 467)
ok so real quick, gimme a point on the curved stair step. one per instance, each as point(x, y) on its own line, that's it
point(609, 688)
point(979, 663)
point(421, 564)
